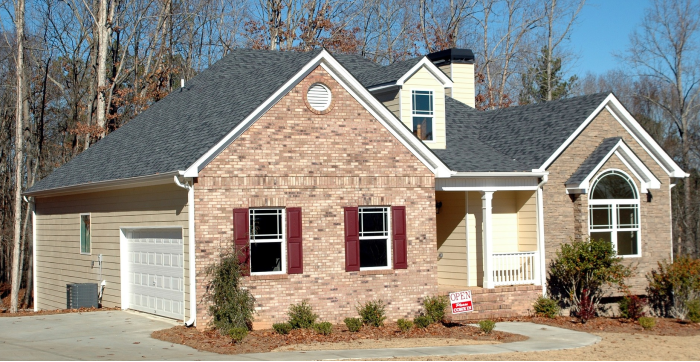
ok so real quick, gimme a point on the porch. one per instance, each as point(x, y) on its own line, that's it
point(488, 239)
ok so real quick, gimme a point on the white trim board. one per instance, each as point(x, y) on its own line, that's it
point(356, 90)
point(613, 105)
point(641, 172)
point(430, 67)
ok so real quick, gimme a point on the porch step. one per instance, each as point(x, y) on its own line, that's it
point(500, 302)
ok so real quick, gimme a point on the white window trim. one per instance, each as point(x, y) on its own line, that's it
point(283, 241)
point(80, 229)
point(432, 93)
point(614, 203)
point(389, 237)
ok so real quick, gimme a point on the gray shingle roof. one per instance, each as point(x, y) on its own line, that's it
point(387, 74)
point(595, 158)
point(527, 135)
point(176, 131)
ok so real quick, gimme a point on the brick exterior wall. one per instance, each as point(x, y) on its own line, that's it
point(655, 212)
point(320, 161)
point(499, 302)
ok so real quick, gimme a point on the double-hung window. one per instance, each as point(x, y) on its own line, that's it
point(614, 212)
point(85, 234)
point(267, 241)
point(375, 240)
point(422, 114)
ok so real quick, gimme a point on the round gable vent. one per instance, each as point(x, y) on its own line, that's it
point(319, 97)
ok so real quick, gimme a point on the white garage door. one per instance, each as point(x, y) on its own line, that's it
point(155, 271)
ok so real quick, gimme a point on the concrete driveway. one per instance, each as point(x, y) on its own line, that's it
point(113, 335)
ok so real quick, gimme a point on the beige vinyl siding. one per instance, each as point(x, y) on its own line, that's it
point(391, 101)
point(424, 80)
point(505, 222)
point(59, 261)
point(527, 220)
point(452, 239)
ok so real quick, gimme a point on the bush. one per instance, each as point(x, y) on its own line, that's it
point(672, 286)
point(647, 322)
point(231, 306)
point(372, 313)
point(581, 271)
point(238, 333)
point(632, 306)
point(694, 310)
point(324, 328)
point(353, 324)
point(301, 316)
point(435, 308)
point(487, 326)
point(404, 325)
point(282, 328)
point(546, 307)
point(422, 321)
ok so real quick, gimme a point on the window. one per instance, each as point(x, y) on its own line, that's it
point(267, 241)
point(85, 234)
point(422, 113)
point(375, 246)
point(614, 212)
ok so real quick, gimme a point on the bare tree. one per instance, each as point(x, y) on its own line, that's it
point(559, 15)
point(665, 50)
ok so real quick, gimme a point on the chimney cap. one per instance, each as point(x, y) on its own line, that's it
point(454, 55)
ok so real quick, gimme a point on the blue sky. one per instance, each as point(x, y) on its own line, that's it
point(603, 27)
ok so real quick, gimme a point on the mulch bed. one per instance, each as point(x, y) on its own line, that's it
point(664, 326)
point(267, 340)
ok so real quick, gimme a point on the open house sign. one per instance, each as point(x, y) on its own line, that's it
point(461, 302)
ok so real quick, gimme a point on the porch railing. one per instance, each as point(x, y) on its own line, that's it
point(514, 268)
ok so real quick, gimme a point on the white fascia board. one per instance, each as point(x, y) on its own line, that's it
point(644, 139)
point(429, 66)
point(384, 116)
point(141, 181)
point(500, 174)
point(383, 87)
point(353, 86)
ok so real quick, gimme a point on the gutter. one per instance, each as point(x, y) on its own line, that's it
point(157, 179)
point(542, 174)
point(189, 186)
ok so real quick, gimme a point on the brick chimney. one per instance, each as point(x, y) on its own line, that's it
point(458, 64)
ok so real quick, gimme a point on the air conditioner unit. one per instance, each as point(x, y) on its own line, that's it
point(81, 295)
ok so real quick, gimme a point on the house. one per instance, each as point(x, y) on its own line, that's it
point(346, 181)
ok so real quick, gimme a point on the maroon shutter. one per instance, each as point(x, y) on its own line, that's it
point(295, 260)
point(398, 229)
point(241, 237)
point(352, 239)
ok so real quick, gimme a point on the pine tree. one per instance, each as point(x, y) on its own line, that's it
point(536, 86)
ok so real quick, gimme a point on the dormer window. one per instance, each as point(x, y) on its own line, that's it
point(422, 113)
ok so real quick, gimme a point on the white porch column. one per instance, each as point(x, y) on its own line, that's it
point(486, 198)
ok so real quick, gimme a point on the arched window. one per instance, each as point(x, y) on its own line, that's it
point(614, 212)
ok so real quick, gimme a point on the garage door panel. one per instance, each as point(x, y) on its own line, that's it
point(156, 271)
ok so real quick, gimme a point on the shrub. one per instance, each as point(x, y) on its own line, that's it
point(546, 307)
point(324, 328)
point(404, 325)
point(694, 310)
point(435, 308)
point(282, 328)
point(487, 326)
point(231, 305)
point(238, 333)
point(632, 306)
point(647, 322)
point(301, 316)
point(353, 324)
point(672, 286)
point(581, 271)
point(422, 321)
point(372, 313)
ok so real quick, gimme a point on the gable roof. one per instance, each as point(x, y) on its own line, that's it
point(387, 74)
point(600, 154)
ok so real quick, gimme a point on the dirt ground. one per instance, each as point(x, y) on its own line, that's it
point(613, 347)
point(388, 336)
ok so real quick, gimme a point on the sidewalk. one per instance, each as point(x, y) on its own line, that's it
point(541, 338)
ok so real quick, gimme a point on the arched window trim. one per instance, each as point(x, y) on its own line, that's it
point(614, 205)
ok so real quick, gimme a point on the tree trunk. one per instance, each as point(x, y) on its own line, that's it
point(19, 116)
point(102, 46)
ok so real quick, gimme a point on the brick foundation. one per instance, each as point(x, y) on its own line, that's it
point(500, 302)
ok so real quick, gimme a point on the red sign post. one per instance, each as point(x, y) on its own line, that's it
point(461, 302)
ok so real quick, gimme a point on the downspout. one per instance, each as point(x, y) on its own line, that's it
point(32, 208)
point(189, 186)
point(670, 212)
point(540, 233)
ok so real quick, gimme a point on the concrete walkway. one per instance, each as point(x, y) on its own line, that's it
point(117, 335)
